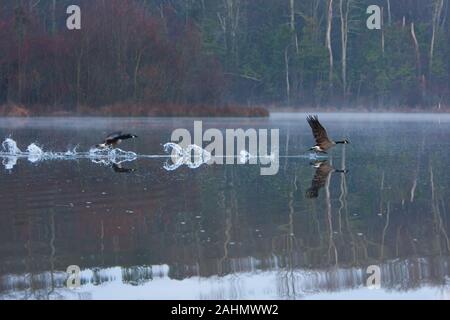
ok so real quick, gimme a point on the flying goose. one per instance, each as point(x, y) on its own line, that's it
point(323, 143)
point(323, 170)
point(114, 139)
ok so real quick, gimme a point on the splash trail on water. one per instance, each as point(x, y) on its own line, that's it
point(10, 153)
point(192, 156)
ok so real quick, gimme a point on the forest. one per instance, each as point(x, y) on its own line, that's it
point(222, 57)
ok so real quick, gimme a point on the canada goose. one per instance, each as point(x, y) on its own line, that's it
point(323, 143)
point(114, 139)
point(323, 170)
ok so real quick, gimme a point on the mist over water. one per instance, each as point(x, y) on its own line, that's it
point(140, 230)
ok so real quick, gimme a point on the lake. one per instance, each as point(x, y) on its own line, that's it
point(139, 231)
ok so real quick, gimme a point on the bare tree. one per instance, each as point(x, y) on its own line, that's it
point(288, 86)
point(229, 22)
point(292, 24)
point(20, 28)
point(79, 59)
point(438, 5)
point(420, 76)
point(389, 12)
point(382, 31)
point(53, 17)
point(417, 50)
point(344, 8)
point(328, 41)
point(316, 18)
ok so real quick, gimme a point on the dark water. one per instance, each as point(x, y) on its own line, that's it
point(225, 231)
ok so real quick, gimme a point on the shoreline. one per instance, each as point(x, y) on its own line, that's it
point(359, 110)
point(125, 110)
point(235, 111)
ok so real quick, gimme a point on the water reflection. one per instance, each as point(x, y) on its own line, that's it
point(227, 232)
point(119, 168)
point(154, 282)
point(321, 178)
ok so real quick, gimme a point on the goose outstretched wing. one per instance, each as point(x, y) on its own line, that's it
point(113, 136)
point(319, 132)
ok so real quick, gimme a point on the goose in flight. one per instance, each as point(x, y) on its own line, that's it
point(323, 143)
point(323, 170)
point(114, 139)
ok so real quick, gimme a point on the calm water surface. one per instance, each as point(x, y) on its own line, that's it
point(225, 231)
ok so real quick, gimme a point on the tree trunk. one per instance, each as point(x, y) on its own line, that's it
point(328, 41)
point(389, 12)
point(292, 23)
point(229, 23)
point(420, 75)
point(382, 31)
point(136, 70)
point(21, 30)
point(417, 50)
point(53, 17)
point(437, 12)
point(79, 77)
point(344, 12)
point(316, 20)
point(288, 86)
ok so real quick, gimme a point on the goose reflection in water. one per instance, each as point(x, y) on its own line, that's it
point(119, 168)
point(323, 171)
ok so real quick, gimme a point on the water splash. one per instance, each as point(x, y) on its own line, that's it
point(112, 154)
point(35, 153)
point(10, 153)
point(71, 152)
point(9, 162)
point(33, 149)
point(192, 156)
point(201, 156)
point(176, 157)
point(174, 149)
point(244, 156)
point(316, 156)
point(9, 146)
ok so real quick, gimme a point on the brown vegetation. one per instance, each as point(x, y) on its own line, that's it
point(133, 110)
point(12, 110)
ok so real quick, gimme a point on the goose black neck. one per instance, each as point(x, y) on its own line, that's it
point(341, 142)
